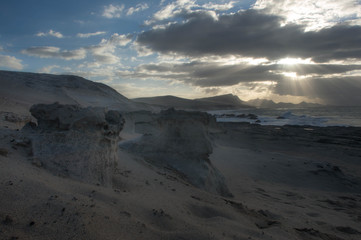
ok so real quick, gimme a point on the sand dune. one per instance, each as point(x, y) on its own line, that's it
point(92, 173)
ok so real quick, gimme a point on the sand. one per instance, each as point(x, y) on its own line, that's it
point(291, 182)
point(282, 190)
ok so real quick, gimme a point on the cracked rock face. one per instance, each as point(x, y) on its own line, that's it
point(181, 143)
point(77, 142)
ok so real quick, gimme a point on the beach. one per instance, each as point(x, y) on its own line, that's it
point(287, 183)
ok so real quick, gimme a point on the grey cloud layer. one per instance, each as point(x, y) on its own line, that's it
point(55, 52)
point(103, 53)
point(216, 75)
point(254, 34)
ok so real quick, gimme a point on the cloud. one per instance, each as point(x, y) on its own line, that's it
point(218, 74)
point(117, 11)
point(51, 33)
point(104, 54)
point(87, 35)
point(219, 7)
point(132, 90)
point(254, 34)
point(11, 62)
point(48, 69)
point(142, 51)
point(139, 7)
point(208, 74)
point(166, 12)
point(55, 52)
point(113, 11)
point(105, 51)
point(315, 15)
point(186, 8)
point(118, 40)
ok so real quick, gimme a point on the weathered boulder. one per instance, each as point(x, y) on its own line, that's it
point(181, 143)
point(77, 142)
point(13, 120)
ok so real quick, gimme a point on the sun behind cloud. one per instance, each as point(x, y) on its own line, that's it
point(293, 61)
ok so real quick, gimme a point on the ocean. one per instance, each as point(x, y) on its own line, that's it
point(318, 116)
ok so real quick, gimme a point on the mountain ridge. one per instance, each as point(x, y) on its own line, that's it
point(224, 102)
point(265, 103)
point(227, 101)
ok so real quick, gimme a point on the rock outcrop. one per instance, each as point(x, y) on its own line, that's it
point(181, 143)
point(77, 142)
point(13, 120)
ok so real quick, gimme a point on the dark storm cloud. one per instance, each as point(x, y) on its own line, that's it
point(216, 75)
point(208, 74)
point(254, 34)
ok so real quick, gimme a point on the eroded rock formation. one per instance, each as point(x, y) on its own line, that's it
point(77, 142)
point(181, 143)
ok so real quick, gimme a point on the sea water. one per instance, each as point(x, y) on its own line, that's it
point(317, 116)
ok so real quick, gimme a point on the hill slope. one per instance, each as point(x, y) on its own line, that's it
point(20, 90)
point(166, 101)
point(228, 101)
point(263, 103)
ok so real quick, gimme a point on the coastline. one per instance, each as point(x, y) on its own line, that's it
point(326, 116)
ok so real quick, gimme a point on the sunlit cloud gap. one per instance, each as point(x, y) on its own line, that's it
point(293, 61)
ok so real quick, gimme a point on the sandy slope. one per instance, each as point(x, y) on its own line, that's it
point(145, 203)
point(270, 200)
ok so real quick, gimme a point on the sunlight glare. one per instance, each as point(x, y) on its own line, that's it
point(293, 61)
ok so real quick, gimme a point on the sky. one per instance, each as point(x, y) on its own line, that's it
point(283, 50)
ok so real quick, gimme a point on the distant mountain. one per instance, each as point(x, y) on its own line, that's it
point(228, 101)
point(165, 101)
point(20, 90)
point(263, 103)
